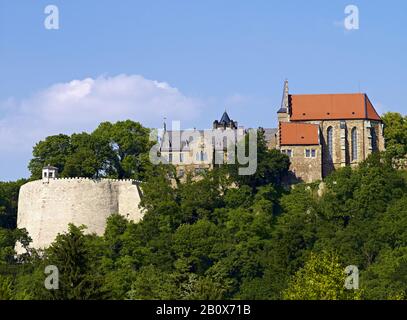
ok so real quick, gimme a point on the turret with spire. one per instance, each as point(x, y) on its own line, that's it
point(284, 111)
point(225, 122)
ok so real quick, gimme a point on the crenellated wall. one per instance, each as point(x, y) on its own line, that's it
point(45, 208)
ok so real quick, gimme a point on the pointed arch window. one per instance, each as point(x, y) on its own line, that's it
point(330, 132)
point(354, 144)
point(374, 139)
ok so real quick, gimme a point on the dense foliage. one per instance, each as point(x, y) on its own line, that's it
point(203, 239)
point(117, 150)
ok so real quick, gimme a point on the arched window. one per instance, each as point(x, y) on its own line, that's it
point(374, 139)
point(354, 144)
point(330, 132)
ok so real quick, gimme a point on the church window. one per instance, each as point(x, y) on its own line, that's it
point(330, 142)
point(354, 144)
point(374, 139)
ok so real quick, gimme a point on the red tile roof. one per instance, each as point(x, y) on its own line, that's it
point(292, 133)
point(332, 107)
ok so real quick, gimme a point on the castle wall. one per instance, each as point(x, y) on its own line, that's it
point(46, 208)
point(304, 169)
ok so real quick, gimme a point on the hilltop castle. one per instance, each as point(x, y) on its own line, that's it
point(319, 133)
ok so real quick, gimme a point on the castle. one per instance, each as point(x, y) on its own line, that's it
point(47, 206)
point(319, 133)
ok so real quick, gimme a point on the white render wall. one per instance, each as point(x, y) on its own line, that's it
point(46, 208)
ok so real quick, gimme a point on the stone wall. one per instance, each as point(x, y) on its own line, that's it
point(304, 169)
point(342, 142)
point(46, 208)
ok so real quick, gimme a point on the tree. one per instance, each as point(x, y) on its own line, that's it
point(395, 133)
point(8, 203)
point(91, 157)
point(152, 284)
point(71, 253)
point(387, 278)
point(118, 150)
point(199, 244)
point(130, 143)
point(53, 150)
point(272, 165)
point(321, 278)
point(6, 290)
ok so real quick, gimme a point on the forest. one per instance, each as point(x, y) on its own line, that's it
point(203, 239)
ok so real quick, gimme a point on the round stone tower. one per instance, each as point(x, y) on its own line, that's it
point(47, 206)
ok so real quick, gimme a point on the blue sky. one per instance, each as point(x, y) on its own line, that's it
point(186, 60)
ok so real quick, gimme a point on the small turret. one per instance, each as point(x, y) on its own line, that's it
point(284, 112)
point(49, 173)
point(225, 122)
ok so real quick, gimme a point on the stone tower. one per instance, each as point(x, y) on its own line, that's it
point(284, 112)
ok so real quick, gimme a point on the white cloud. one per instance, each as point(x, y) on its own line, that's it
point(80, 105)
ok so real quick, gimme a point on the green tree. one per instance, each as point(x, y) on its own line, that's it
point(272, 165)
point(130, 143)
point(321, 278)
point(72, 254)
point(395, 133)
point(53, 150)
point(91, 157)
point(116, 150)
point(8, 203)
point(152, 284)
point(6, 290)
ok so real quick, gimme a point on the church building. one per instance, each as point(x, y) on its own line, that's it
point(323, 132)
point(318, 132)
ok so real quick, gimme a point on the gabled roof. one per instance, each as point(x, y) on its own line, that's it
point(292, 133)
point(332, 107)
